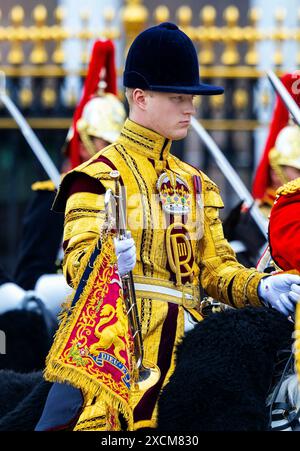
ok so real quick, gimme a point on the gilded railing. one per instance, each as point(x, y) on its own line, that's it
point(33, 48)
point(218, 43)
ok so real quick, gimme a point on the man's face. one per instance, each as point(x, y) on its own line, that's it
point(99, 144)
point(169, 114)
point(291, 172)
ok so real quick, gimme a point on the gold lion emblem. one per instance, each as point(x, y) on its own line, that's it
point(113, 334)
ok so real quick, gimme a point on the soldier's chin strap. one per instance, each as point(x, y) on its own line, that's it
point(29, 135)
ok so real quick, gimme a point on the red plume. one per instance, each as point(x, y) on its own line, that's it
point(279, 120)
point(103, 57)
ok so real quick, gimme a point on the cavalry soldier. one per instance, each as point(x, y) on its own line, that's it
point(97, 122)
point(284, 230)
point(280, 161)
point(284, 227)
point(176, 239)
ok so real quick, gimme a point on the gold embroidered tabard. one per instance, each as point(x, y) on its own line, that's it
point(175, 198)
point(178, 236)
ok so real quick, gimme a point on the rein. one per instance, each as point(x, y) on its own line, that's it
point(289, 413)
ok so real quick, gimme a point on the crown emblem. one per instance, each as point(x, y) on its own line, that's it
point(174, 193)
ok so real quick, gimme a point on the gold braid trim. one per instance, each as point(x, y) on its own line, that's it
point(251, 289)
point(81, 213)
point(244, 288)
point(95, 424)
point(103, 176)
point(143, 141)
point(92, 165)
point(186, 168)
point(67, 310)
point(95, 417)
point(152, 422)
point(223, 283)
point(46, 185)
point(289, 188)
point(146, 202)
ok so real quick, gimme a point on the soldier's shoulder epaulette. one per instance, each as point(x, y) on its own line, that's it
point(186, 167)
point(45, 185)
point(94, 159)
point(79, 173)
point(99, 171)
point(209, 185)
point(211, 192)
point(289, 188)
point(98, 166)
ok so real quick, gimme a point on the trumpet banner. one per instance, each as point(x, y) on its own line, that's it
point(93, 346)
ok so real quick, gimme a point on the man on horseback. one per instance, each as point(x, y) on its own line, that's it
point(97, 121)
point(37, 284)
point(173, 215)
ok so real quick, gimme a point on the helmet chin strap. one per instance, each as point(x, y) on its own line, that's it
point(82, 127)
point(279, 171)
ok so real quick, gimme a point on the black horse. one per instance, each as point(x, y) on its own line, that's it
point(225, 370)
point(224, 373)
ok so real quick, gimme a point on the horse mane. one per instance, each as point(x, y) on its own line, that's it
point(289, 391)
point(284, 404)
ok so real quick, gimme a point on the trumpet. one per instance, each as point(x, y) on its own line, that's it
point(148, 373)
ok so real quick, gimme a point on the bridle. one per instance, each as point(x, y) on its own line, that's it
point(289, 414)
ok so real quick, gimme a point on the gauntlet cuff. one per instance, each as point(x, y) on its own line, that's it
point(244, 288)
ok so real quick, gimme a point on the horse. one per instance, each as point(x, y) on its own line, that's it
point(22, 399)
point(223, 379)
point(224, 372)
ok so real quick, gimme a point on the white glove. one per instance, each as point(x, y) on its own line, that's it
point(126, 254)
point(280, 291)
point(52, 289)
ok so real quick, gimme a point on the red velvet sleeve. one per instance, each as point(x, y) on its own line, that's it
point(85, 184)
point(75, 182)
point(284, 232)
